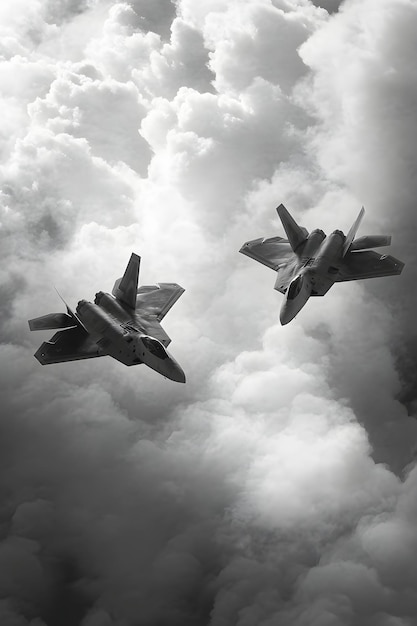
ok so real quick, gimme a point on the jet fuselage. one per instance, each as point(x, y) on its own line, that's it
point(320, 258)
point(107, 321)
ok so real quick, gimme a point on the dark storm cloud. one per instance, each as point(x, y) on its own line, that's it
point(252, 495)
point(332, 6)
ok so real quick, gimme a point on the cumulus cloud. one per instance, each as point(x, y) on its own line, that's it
point(278, 485)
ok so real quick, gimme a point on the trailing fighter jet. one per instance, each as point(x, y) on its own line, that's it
point(307, 264)
point(125, 325)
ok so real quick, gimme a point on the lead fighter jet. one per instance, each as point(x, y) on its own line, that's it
point(125, 325)
point(308, 264)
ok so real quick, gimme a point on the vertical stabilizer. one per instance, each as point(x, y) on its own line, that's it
point(70, 313)
point(352, 232)
point(125, 288)
point(296, 234)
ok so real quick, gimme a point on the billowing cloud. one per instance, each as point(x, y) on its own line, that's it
point(278, 485)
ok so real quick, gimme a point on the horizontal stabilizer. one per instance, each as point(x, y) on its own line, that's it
point(352, 232)
point(371, 241)
point(125, 288)
point(52, 321)
point(296, 234)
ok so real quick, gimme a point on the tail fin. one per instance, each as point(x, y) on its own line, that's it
point(125, 288)
point(352, 232)
point(71, 313)
point(296, 234)
point(52, 321)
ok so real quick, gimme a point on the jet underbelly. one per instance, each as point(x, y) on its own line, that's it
point(325, 267)
point(321, 285)
point(312, 245)
point(111, 337)
point(121, 349)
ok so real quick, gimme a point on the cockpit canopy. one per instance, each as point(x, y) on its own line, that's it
point(155, 347)
point(295, 287)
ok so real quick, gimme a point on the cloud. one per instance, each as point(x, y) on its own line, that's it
point(331, 6)
point(278, 485)
point(368, 112)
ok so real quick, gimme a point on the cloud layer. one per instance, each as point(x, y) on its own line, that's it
point(279, 485)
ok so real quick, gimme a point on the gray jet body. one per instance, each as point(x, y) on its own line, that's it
point(308, 264)
point(125, 325)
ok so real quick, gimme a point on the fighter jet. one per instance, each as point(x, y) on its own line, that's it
point(125, 325)
point(307, 264)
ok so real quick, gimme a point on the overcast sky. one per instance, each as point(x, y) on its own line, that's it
point(278, 486)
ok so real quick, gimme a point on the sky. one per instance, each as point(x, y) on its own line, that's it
point(278, 486)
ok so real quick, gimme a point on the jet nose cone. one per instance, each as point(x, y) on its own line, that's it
point(285, 315)
point(284, 319)
point(176, 373)
point(179, 376)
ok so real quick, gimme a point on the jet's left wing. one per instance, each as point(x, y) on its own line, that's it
point(156, 300)
point(71, 344)
point(368, 264)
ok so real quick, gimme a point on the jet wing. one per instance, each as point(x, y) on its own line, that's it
point(156, 300)
point(368, 264)
point(286, 273)
point(71, 344)
point(154, 329)
point(274, 252)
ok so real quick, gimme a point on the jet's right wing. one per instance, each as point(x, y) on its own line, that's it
point(368, 264)
point(273, 252)
point(71, 344)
